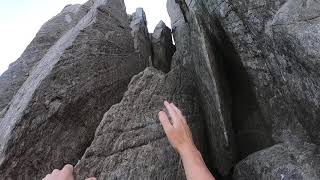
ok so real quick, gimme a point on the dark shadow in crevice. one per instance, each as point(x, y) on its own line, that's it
point(184, 9)
point(251, 131)
point(207, 156)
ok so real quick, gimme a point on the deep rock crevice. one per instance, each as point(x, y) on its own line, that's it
point(251, 131)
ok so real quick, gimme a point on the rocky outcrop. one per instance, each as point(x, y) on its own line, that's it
point(162, 47)
point(195, 51)
point(130, 143)
point(271, 39)
point(140, 33)
point(245, 74)
point(48, 35)
point(52, 118)
point(262, 73)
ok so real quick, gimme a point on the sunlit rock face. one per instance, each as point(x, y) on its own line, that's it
point(244, 73)
point(48, 35)
point(130, 143)
point(52, 117)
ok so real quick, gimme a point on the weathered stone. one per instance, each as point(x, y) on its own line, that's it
point(48, 35)
point(281, 161)
point(256, 63)
point(245, 74)
point(130, 143)
point(162, 47)
point(276, 42)
point(52, 118)
point(142, 42)
point(195, 51)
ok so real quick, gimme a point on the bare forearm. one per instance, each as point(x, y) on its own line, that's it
point(180, 137)
point(194, 165)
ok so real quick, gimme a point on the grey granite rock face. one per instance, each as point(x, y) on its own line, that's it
point(276, 43)
point(162, 47)
point(52, 118)
point(130, 142)
point(50, 32)
point(142, 42)
point(257, 59)
point(195, 51)
point(245, 73)
point(281, 161)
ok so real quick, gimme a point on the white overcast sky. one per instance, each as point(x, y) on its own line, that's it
point(20, 20)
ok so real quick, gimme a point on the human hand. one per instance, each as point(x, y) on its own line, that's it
point(180, 137)
point(65, 174)
point(178, 133)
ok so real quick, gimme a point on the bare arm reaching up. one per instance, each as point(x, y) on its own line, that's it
point(180, 137)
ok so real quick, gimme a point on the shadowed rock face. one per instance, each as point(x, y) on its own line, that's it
point(130, 143)
point(245, 74)
point(195, 51)
point(52, 118)
point(275, 41)
point(162, 47)
point(264, 69)
point(281, 161)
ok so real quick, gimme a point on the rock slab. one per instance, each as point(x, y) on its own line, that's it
point(51, 119)
point(281, 161)
point(162, 47)
point(130, 142)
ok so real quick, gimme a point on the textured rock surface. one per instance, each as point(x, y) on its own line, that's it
point(195, 52)
point(281, 161)
point(130, 143)
point(50, 32)
point(276, 42)
point(162, 47)
point(245, 73)
point(140, 33)
point(52, 118)
point(257, 61)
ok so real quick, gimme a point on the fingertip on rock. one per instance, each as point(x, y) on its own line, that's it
point(68, 166)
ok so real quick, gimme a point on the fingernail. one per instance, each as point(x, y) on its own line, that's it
point(69, 165)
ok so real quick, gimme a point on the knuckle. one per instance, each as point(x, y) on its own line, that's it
point(68, 168)
point(170, 132)
point(55, 171)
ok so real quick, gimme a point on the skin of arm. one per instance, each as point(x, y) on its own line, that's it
point(180, 137)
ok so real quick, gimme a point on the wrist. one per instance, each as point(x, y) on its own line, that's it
point(188, 151)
